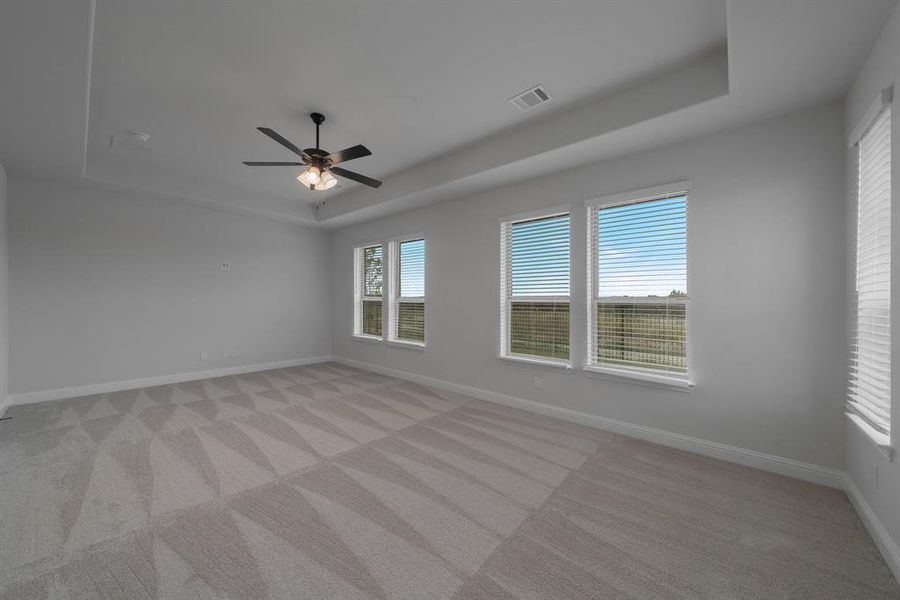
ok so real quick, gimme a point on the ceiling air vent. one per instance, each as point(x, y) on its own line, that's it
point(531, 98)
point(132, 140)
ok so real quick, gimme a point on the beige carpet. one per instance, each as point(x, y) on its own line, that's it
point(329, 482)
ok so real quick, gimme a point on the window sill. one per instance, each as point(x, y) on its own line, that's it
point(538, 362)
point(881, 440)
point(648, 379)
point(417, 346)
point(368, 338)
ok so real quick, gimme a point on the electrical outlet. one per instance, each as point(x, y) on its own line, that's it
point(232, 354)
point(536, 382)
point(204, 356)
point(226, 266)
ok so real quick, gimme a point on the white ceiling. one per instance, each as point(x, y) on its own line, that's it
point(422, 84)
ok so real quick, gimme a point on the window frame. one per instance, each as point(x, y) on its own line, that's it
point(359, 290)
point(885, 442)
point(506, 224)
point(592, 206)
point(394, 289)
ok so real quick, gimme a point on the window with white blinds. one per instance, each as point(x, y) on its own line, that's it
point(638, 295)
point(368, 275)
point(535, 265)
point(870, 366)
point(407, 312)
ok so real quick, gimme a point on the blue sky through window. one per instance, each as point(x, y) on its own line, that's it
point(642, 248)
point(539, 257)
point(412, 268)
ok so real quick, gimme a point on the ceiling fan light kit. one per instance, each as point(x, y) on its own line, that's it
point(326, 181)
point(309, 177)
point(320, 170)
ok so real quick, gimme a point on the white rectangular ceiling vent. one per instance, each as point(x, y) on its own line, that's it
point(129, 144)
point(531, 97)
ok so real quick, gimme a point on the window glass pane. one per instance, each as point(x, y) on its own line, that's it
point(412, 269)
point(539, 329)
point(645, 335)
point(642, 249)
point(640, 312)
point(411, 321)
point(537, 262)
point(372, 271)
point(539, 257)
point(371, 321)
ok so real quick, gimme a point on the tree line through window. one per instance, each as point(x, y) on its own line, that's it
point(373, 290)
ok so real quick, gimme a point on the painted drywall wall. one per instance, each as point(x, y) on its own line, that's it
point(766, 229)
point(109, 287)
point(877, 478)
point(4, 294)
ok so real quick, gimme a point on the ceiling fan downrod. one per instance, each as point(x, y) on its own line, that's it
point(318, 119)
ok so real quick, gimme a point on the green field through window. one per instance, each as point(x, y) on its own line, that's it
point(371, 321)
point(539, 329)
point(411, 321)
point(644, 335)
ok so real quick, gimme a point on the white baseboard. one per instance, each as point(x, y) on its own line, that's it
point(751, 458)
point(888, 547)
point(131, 384)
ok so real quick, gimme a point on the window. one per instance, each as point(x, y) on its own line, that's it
point(407, 314)
point(870, 366)
point(368, 283)
point(535, 288)
point(637, 268)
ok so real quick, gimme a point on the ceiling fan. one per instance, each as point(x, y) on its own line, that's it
point(320, 171)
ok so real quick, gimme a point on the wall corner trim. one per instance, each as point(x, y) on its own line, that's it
point(750, 458)
point(131, 384)
point(888, 547)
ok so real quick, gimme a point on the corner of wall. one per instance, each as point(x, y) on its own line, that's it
point(873, 481)
point(4, 295)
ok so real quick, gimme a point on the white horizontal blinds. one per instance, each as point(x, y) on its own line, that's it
point(639, 301)
point(372, 290)
point(410, 306)
point(412, 269)
point(870, 368)
point(536, 301)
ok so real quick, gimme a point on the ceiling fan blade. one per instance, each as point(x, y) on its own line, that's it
point(346, 154)
point(356, 177)
point(281, 140)
point(273, 164)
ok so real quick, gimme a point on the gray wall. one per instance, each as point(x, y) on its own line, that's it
point(766, 231)
point(881, 491)
point(108, 287)
point(4, 294)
